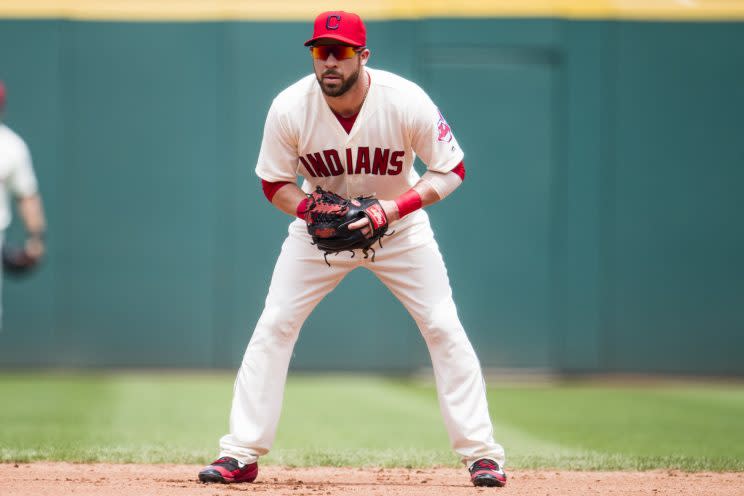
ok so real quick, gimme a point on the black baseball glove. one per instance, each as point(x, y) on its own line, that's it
point(328, 216)
point(17, 262)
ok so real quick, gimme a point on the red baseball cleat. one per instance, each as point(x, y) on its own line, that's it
point(227, 469)
point(486, 472)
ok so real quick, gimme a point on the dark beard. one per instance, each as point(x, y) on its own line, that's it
point(345, 84)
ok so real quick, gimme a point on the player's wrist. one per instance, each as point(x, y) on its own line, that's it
point(34, 246)
point(391, 210)
point(35, 236)
point(302, 208)
point(408, 202)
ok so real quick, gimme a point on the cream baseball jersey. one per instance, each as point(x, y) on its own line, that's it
point(16, 173)
point(397, 122)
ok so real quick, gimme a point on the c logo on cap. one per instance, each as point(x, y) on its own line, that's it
point(330, 25)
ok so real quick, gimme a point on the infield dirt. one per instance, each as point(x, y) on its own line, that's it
point(61, 479)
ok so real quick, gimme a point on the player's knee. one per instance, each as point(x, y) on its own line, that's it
point(279, 323)
point(440, 323)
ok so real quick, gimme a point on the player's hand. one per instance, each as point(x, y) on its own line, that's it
point(391, 210)
point(362, 224)
point(34, 247)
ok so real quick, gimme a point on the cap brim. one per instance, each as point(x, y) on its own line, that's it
point(336, 37)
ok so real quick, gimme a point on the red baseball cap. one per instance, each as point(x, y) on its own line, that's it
point(2, 95)
point(345, 27)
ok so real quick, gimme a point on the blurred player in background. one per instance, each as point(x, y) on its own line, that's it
point(17, 179)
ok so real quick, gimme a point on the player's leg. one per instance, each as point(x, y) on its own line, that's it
point(301, 279)
point(411, 266)
point(2, 240)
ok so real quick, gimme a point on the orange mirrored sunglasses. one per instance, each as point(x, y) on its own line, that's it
point(340, 52)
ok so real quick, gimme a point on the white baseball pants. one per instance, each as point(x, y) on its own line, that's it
point(411, 266)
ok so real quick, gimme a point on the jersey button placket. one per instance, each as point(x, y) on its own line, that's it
point(350, 178)
point(350, 187)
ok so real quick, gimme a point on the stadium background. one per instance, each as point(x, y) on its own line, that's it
point(604, 152)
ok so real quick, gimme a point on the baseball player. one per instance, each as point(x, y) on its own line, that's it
point(355, 131)
point(17, 179)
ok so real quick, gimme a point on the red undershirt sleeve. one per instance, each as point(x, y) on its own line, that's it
point(460, 170)
point(270, 188)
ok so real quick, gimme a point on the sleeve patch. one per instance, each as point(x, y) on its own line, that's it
point(445, 132)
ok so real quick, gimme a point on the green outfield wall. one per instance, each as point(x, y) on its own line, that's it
point(599, 228)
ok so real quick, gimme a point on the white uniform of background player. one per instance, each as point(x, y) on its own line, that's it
point(17, 179)
point(303, 137)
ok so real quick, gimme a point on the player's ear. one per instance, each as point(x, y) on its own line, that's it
point(364, 56)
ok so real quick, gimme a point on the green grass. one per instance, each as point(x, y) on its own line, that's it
point(369, 421)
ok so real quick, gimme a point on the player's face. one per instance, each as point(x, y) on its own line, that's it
point(337, 67)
